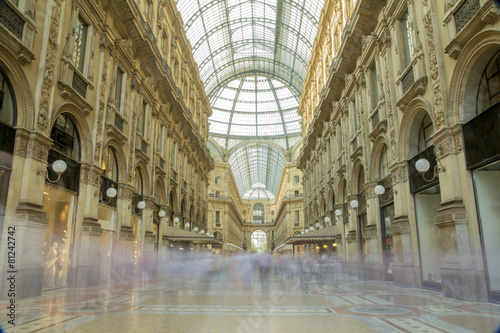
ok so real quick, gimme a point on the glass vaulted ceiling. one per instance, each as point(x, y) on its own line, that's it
point(253, 57)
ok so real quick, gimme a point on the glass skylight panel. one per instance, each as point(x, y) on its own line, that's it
point(247, 96)
point(270, 130)
point(269, 118)
point(239, 130)
point(288, 103)
point(224, 104)
point(220, 116)
point(293, 127)
point(218, 128)
point(244, 118)
point(291, 116)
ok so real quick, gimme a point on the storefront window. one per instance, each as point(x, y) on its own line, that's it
point(486, 182)
point(60, 206)
point(427, 204)
point(387, 217)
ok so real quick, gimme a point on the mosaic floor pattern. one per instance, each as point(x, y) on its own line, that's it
point(166, 305)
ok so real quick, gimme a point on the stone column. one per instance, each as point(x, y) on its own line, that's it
point(147, 222)
point(123, 254)
point(405, 272)
point(85, 265)
point(374, 261)
point(459, 279)
point(24, 219)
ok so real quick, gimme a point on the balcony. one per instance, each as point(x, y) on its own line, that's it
point(141, 148)
point(17, 30)
point(473, 14)
point(116, 124)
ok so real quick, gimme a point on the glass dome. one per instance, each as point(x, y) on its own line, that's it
point(255, 106)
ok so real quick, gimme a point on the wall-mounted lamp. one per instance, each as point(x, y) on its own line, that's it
point(311, 228)
point(338, 212)
point(306, 231)
point(202, 231)
point(161, 213)
point(141, 205)
point(380, 190)
point(110, 193)
point(334, 244)
point(354, 203)
point(318, 225)
point(422, 165)
point(58, 166)
point(302, 233)
point(186, 226)
point(176, 219)
point(327, 219)
point(195, 229)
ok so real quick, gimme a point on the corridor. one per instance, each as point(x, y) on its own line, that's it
point(223, 303)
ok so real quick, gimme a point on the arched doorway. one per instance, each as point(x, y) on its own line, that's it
point(481, 135)
point(427, 197)
point(258, 241)
point(8, 117)
point(60, 201)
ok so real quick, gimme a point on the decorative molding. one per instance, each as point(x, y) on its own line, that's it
point(433, 66)
point(49, 71)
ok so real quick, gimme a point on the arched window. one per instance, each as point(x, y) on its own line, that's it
point(65, 137)
point(158, 193)
point(425, 132)
point(218, 236)
point(8, 110)
point(344, 191)
point(488, 92)
point(361, 180)
point(258, 213)
point(138, 181)
point(383, 163)
point(110, 164)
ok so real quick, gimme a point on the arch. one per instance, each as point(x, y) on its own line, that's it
point(145, 177)
point(218, 236)
point(410, 126)
point(343, 190)
point(357, 166)
point(259, 238)
point(316, 211)
point(22, 89)
point(191, 212)
point(322, 205)
point(138, 181)
point(82, 126)
point(468, 69)
point(160, 191)
point(120, 156)
point(66, 137)
point(172, 201)
point(8, 101)
point(258, 213)
point(379, 143)
point(331, 199)
point(360, 180)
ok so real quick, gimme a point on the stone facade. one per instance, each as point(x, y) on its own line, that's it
point(123, 76)
point(387, 81)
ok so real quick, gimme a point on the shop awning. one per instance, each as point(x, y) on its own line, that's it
point(179, 235)
point(327, 234)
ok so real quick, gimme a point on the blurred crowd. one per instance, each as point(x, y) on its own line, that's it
point(247, 270)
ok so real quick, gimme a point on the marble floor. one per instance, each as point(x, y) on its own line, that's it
point(165, 304)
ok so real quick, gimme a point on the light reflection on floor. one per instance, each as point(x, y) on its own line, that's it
point(222, 305)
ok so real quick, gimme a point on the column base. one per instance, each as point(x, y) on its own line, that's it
point(463, 284)
point(405, 275)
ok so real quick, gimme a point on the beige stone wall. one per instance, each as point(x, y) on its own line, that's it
point(143, 46)
point(365, 92)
